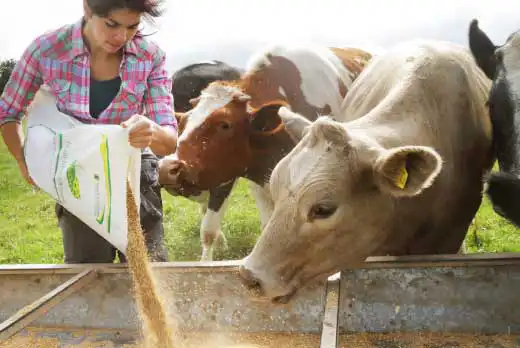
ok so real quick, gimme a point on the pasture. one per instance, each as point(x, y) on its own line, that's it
point(30, 234)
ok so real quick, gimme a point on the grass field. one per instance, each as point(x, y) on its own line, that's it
point(29, 232)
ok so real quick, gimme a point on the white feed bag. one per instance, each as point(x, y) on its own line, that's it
point(83, 167)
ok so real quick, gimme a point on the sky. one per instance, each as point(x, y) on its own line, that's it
point(230, 30)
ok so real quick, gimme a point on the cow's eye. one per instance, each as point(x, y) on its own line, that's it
point(225, 125)
point(498, 55)
point(322, 211)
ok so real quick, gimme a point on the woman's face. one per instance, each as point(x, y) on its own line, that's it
point(114, 31)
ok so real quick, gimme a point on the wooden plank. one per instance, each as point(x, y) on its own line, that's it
point(44, 268)
point(455, 260)
point(33, 311)
point(185, 266)
point(330, 332)
point(476, 259)
point(445, 257)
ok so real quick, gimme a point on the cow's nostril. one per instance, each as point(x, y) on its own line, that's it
point(247, 277)
point(175, 168)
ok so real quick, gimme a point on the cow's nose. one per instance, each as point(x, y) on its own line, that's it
point(247, 277)
point(175, 168)
point(170, 171)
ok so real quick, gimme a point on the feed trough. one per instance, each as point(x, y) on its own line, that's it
point(420, 301)
point(93, 306)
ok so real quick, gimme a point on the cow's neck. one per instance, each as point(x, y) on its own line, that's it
point(267, 152)
point(260, 89)
point(282, 81)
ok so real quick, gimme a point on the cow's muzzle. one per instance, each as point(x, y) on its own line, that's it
point(254, 283)
point(176, 177)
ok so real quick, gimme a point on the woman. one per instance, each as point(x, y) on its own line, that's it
point(101, 70)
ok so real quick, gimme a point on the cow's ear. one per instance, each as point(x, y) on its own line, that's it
point(407, 170)
point(295, 124)
point(265, 119)
point(482, 48)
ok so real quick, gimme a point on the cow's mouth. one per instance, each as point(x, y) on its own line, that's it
point(179, 179)
point(184, 189)
point(256, 287)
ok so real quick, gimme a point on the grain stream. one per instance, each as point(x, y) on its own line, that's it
point(158, 330)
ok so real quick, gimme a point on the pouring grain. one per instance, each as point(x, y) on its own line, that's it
point(157, 328)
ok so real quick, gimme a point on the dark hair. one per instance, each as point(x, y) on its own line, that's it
point(150, 8)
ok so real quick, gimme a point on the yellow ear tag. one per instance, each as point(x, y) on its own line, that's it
point(402, 178)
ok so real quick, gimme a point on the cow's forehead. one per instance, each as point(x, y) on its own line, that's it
point(303, 164)
point(299, 167)
point(514, 39)
point(214, 97)
point(218, 90)
point(511, 62)
point(512, 45)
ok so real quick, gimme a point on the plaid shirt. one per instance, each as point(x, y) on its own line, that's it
point(60, 59)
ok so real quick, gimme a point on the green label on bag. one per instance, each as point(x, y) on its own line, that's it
point(73, 181)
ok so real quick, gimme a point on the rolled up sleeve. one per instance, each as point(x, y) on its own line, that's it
point(158, 99)
point(24, 82)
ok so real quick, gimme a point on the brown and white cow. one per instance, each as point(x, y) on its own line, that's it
point(235, 131)
point(402, 175)
point(187, 83)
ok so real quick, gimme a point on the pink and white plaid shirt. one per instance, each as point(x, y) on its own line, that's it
point(61, 60)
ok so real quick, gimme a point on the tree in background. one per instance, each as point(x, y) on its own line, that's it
point(6, 67)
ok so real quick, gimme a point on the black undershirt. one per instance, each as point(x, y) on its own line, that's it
point(102, 93)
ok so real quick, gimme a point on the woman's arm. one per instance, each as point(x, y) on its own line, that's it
point(23, 83)
point(158, 106)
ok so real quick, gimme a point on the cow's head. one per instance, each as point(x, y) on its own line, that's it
point(215, 145)
point(502, 65)
point(187, 85)
point(334, 195)
point(169, 175)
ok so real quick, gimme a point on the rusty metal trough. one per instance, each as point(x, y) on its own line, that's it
point(421, 301)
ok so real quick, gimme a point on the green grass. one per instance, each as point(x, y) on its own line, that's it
point(30, 234)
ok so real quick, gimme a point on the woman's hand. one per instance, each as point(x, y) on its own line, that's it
point(146, 133)
point(13, 137)
point(142, 131)
point(25, 172)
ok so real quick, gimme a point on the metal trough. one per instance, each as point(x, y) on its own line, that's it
point(422, 301)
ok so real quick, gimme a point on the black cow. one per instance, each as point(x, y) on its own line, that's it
point(189, 81)
point(502, 65)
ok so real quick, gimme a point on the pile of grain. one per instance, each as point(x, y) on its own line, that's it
point(62, 337)
point(427, 340)
point(67, 337)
